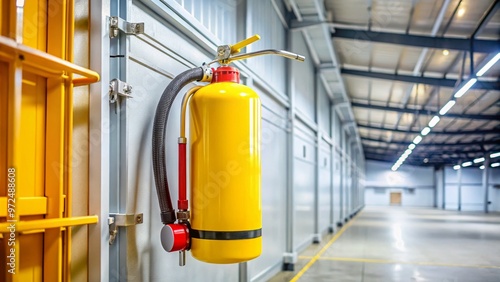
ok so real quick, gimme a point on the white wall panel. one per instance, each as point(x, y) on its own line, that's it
point(494, 192)
point(439, 174)
point(303, 78)
point(216, 17)
point(377, 197)
point(337, 188)
point(143, 245)
point(380, 174)
point(266, 23)
point(415, 183)
point(151, 66)
point(324, 187)
point(451, 200)
point(472, 192)
point(169, 48)
point(337, 128)
point(418, 198)
point(274, 183)
point(304, 186)
point(472, 197)
point(323, 109)
point(422, 197)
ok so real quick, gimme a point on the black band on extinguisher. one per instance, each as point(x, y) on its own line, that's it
point(225, 235)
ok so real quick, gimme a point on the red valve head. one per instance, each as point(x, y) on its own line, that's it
point(226, 74)
point(174, 237)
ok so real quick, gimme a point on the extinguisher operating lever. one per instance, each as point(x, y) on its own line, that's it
point(236, 48)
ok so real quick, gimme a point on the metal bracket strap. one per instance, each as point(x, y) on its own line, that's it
point(115, 220)
point(119, 88)
point(117, 23)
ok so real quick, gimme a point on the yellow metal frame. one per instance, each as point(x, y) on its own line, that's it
point(36, 51)
point(44, 224)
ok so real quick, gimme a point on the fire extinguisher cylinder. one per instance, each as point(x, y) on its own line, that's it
point(225, 126)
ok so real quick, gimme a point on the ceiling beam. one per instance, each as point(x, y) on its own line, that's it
point(468, 132)
point(405, 144)
point(443, 82)
point(487, 16)
point(424, 112)
point(478, 45)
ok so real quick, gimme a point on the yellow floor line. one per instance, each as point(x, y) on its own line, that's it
point(318, 255)
point(400, 262)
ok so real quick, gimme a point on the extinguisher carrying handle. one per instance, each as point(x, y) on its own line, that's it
point(226, 53)
point(282, 53)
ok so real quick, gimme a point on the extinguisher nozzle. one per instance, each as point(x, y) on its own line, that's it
point(182, 258)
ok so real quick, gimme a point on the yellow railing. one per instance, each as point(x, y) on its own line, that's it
point(37, 77)
point(43, 224)
point(48, 64)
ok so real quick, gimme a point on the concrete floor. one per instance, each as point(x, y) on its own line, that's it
point(405, 244)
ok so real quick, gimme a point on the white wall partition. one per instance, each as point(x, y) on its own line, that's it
point(297, 116)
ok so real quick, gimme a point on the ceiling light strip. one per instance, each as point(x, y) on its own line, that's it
point(442, 112)
point(488, 65)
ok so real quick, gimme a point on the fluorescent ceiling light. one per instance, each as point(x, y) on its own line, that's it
point(417, 139)
point(425, 131)
point(495, 155)
point(412, 146)
point(447, 107)
point(434, 121)
point(394, 168)
point(464, 88)
point(495, 164)
point(486, 67)
point(408, 151)
point(466, 164)
point(456, 167)
point(481, 167)
point(478, 160)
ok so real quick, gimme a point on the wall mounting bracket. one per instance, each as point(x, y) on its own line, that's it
point(117, 23)
point(116, 220)
point(119, 88)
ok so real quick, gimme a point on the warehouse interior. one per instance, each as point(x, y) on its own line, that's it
point(369, 149)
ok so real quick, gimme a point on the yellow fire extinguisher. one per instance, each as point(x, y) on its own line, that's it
point(225, 222)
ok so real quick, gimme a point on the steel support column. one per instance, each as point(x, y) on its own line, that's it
point(486, 178)
point(459, 188)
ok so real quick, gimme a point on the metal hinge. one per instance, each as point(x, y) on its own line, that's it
point(117, 23)
point(116, 219)
point(119, 88)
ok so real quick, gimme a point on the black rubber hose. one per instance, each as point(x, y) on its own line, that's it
point(159, 132)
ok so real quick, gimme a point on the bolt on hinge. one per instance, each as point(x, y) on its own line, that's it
point(115, 220)
point(119, 88)
point(117, 23)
